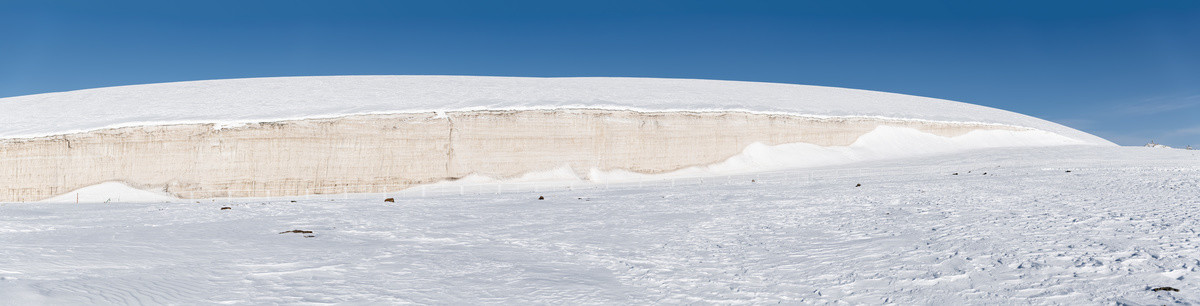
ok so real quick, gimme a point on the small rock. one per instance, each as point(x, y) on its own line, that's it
point(390, 200)
point(956, 173)
point(226, 207)
point(1165, 289)
point(1068, 171)
point(541, 198)
point(293, 201)
point(858, 185)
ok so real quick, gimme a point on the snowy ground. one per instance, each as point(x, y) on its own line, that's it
point(1122, 221)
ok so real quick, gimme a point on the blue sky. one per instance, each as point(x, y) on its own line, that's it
point(1128, 71)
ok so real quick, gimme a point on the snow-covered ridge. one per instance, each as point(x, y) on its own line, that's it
point(237, 101)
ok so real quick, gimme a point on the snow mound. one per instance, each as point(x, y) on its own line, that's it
point(111, 192)
point(883, 143)
point(238, 101)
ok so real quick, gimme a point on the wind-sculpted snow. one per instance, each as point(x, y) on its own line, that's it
point(111, 192)
point(238, 101)
point(885, 142)
point(1059, 225)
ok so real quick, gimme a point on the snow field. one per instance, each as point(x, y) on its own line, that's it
point(1122, 221)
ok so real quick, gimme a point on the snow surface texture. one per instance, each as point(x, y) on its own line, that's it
point(238, 101)
point(1058, 225)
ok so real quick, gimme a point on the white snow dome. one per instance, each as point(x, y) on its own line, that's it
point(284, 98)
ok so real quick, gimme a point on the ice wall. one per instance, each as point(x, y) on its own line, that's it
point(378, 153)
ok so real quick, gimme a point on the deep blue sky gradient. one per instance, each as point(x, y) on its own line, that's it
point(1128, 71)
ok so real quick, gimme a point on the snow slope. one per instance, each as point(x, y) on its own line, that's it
point(268, 99)
point(1046, 225)
point(883, 143)
point(111, 192)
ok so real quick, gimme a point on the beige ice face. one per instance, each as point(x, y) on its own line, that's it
point(379, 153)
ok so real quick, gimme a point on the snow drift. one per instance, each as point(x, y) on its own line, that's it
point(111, 192)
